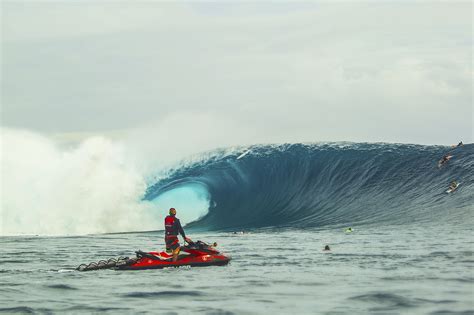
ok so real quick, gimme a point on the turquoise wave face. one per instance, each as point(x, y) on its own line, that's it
point(191, 200)
point(303, 185)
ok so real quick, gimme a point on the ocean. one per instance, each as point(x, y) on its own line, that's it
point(273, 211)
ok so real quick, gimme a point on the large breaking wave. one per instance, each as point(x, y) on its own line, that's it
point(299, 185)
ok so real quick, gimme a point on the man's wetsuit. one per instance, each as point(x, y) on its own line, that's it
point(172, 229)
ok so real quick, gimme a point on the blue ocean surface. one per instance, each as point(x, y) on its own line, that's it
point(410, 252)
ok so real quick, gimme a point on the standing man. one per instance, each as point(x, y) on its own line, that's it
point(172, 229)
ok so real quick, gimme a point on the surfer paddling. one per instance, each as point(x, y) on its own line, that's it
point(444, 160)
point(452, 187)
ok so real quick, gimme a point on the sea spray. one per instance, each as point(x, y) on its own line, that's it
point(89, 187)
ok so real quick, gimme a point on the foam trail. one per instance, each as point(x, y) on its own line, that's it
point(243, 154)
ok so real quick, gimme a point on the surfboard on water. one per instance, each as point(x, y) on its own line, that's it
point(451, 189)
point(243, 154)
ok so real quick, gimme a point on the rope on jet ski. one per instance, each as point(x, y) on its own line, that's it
point(105, 264)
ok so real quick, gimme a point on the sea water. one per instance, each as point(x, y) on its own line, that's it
point(408, 269)
point(410, 252)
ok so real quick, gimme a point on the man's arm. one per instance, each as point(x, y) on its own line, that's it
point(180, 229)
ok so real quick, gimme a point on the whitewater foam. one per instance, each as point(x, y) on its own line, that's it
point(91, 187)
point(86, 189)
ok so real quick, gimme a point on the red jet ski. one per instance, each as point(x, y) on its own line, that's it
point(195, 254)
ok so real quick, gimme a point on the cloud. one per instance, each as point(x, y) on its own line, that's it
point(361, 72)
point(26, 21)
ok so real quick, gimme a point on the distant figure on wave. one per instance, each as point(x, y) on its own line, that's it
point(326, 248)
point(349, 230)
point(460, 144)
point(444, 160)
point(452, 187)
point(172, 229)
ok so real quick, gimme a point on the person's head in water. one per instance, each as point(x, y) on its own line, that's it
point(326, 247)
point(172, 211)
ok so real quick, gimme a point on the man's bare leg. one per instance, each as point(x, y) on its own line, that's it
point(175, 254)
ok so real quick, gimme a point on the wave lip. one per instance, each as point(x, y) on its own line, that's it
point(320, 185)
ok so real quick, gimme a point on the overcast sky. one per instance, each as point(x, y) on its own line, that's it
point(264, 72)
